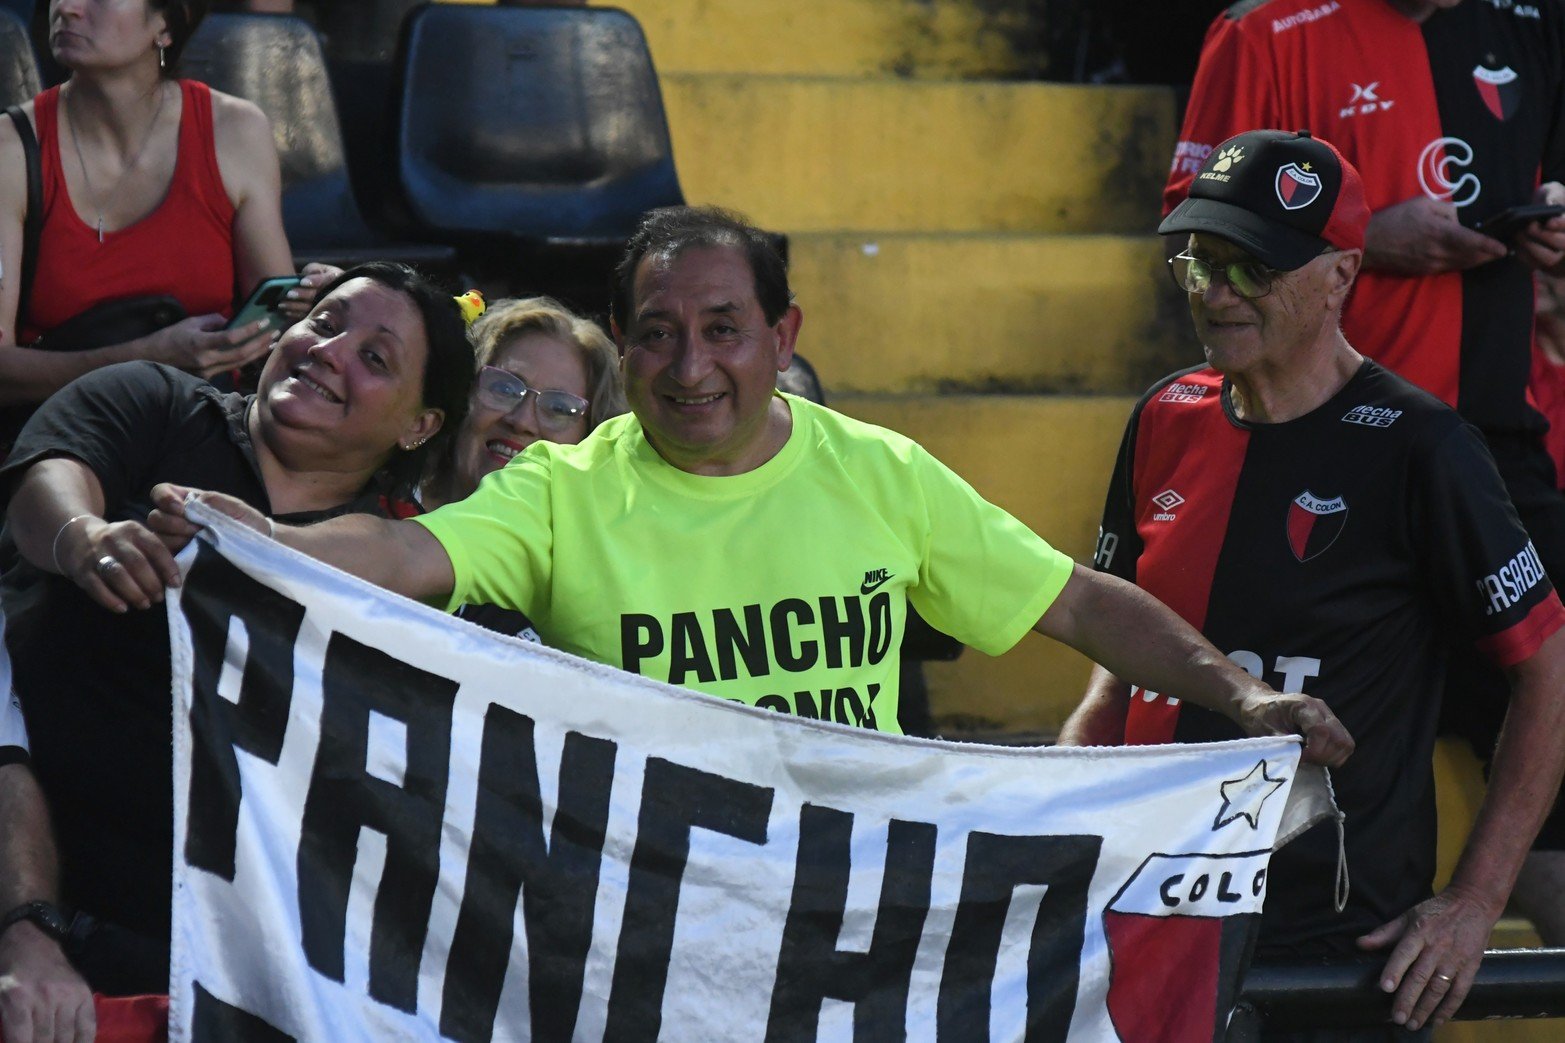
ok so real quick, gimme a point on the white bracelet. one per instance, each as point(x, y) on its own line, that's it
point(54, 548)
point(271, 528)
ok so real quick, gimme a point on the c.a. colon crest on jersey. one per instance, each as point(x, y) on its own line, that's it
point(1499, 90)
point(1314, 524)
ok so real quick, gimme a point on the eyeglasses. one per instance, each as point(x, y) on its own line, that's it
point(503, 390)
point(1249, 279)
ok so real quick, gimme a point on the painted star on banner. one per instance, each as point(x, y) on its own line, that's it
point(1243, 797)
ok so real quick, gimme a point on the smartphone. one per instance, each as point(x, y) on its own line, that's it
point(1513, 219)
point(263, 302)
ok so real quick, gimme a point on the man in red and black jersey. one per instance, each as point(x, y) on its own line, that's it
point(1452, 110)
point(1334, 529)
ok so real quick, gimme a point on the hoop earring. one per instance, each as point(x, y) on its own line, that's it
point(162, 62)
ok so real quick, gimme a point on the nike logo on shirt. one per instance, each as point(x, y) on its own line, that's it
point(873, 580)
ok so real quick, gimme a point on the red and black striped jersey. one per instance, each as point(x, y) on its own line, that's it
point(1468, 107)
point(1339, 554)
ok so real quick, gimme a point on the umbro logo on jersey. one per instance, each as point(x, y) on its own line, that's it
point(1314, 524)
point(873, 580)
point(1499, 89)
point(1183, 393)
point(1371, 416)
point(1166, 501)
point(1366, 99)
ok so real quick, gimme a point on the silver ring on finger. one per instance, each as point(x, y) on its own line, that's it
point(1447, 978)
point(106, 564)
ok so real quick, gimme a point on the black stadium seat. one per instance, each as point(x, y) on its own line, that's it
point(536, 124)
point(275, 61)
point(360, 38)
point(18, 68)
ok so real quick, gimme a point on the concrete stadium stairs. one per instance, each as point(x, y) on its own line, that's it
point(974, 253)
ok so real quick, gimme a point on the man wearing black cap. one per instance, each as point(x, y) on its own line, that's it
point(1452, 113)
point(1330, 526)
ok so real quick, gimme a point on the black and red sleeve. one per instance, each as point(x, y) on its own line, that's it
point(1119, 545)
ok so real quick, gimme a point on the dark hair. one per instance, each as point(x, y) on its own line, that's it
point(671, 230)
point(183, 18)
point(448, 366)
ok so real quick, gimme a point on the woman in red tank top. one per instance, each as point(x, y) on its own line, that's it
point(151, 185)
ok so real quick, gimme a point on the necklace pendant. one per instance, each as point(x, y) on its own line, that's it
point(100, 228)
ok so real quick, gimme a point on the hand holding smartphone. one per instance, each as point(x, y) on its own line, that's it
point(1513, 219)
point(263, 303)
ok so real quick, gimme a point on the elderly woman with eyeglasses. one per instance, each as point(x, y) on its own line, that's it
point(544, 375)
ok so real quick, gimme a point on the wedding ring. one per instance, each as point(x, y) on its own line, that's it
point(105, 563)
point(1445, 977)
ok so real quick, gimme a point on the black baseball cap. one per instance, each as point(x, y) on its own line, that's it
point(1283, 197)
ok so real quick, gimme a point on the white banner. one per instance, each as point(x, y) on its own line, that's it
point(391, 824)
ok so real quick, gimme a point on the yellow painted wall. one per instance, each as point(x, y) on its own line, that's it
point(806, 155)
point(937, 38)
point(919, 312)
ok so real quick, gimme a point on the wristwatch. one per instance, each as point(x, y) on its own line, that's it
point(46, 916)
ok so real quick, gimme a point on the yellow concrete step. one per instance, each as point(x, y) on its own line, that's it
point(904, 312)
point(801, 154)
point(932, 38)
point(1046, 459)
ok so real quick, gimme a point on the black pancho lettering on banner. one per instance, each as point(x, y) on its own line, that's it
point(996, 864)
point(675, 799)
point(811, 968)
point(357, 682)
point(558, 881)
point(218, 599)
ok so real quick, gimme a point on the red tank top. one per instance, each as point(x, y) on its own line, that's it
point(184, 247)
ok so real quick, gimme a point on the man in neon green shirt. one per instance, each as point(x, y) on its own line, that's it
point(752, 545)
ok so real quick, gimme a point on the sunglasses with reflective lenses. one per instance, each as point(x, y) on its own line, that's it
point(503, 390)
point(1249, 279)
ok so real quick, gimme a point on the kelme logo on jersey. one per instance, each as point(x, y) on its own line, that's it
point(1314, 524)
point(1297, 188)
point(1499, 90)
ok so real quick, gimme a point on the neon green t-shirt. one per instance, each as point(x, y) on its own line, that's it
point(785, 587)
